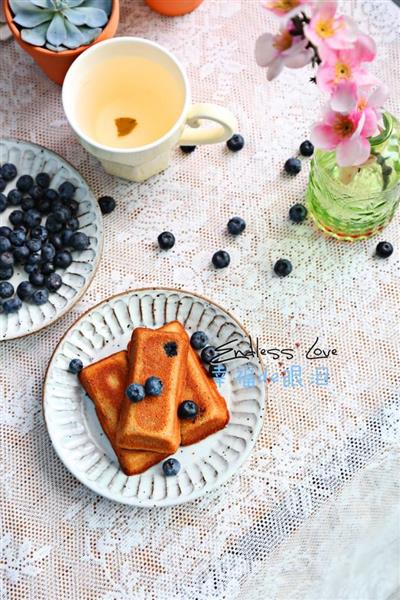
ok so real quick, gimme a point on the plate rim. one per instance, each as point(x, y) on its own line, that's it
point(147, 503)
point(96, 262)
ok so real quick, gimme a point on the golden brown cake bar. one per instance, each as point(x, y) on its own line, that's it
point(105, 382)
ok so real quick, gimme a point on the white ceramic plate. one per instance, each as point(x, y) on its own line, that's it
point(77, 435)
point(31, 159)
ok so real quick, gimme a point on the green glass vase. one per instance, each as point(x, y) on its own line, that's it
point(354, 203)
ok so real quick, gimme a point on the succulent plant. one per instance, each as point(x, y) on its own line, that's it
point(60, 24)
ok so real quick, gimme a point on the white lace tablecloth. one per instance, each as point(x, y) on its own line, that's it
point(313, 513)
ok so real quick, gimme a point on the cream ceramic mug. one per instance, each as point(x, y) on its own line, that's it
point(128, 101)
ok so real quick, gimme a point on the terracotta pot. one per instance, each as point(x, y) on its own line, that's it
point(173, 8)
point(56, 64)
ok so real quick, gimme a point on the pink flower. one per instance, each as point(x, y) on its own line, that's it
point(285, 8)
point(328, 31)
point(346, 65)
point(281, 50)
point(347, 97)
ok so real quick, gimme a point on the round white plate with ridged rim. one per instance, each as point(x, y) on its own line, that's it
point(74, 428)
point(31, 159)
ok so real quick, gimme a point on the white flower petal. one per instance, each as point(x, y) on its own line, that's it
point(264, 51)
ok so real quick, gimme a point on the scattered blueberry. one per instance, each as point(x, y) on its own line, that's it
point(188, 149)
point(235, 143)
point(5, 231)
point(32, 218)
point(40, 296)
point(5, 244)
point(36, 192)
point(36, 279)
point(3, 184)
point(31, 268)
point(292, 166)
point(8, 171)
point(198, 340)
point(221, 259)
point(34, 244)
point(3, 203)
point(47, 268)
point(188, 410)
point(43, 179)
point(62, 214)
point(171, 467)
point(283, 267)
point(16, 217)
point(25, 290)
point(208, 353)
point(48, 252)
point(52, 224)
point(57, 241)
point(53, 282)
point(153, 386)
point(217, 370)
point(297, 213)
point(27, 203)
point(166, 240)
point(306, 148)
point(34, 258)
point(40, 233)
point(21, 254)
point(384, 249)
point(51, 195)
point(107, 204)
point(73, 224)
point(14, 197)
point(24, 183)
point(6, 289)
point(171, 349)
point(63, 259)
point(79, 241)
point(66, 236)
point(66, 190)
point(6, 273)
point(12, 305)
point(75, 366)
point(135, 392)
point(236, 225)
point(6, 259)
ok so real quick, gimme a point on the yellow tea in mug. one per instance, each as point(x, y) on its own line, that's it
point(128, 101)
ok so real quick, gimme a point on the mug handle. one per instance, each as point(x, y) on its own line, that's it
point(193, 134)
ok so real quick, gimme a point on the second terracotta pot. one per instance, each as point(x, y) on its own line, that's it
point(173, 8)
point(56, 64)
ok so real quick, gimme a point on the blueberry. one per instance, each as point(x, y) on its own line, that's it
point(48, 252)
point(235, 143)
point(36, 279)
point(51, 195)
point(40, 296)
point(73, 224)
point(188, 149)
point(27, 203)
point(292, 166)
point(62, 214)
point(6, 289)
point(53, 282)
point(47, 268)
point(217, 370)
point(14, 197)
point(62, 259)
point(24, 183)
point(79, 241)
point(153, 386)
point(36, 192)
point(56, 241)
point(107, 204)
point(43, 179)
point(208, 353)
point(31, 269)
point(297, 213)
point(6, 259)
point(66, 190)
point(221, 259)
point(6, 273)
point(171, 467)
point(8, 171)
point(34, 244)
point(44, 206)
point(75, 366)
point(52, 224)
point(5, 244)
point(21, 254)
point(34, 258)
point(283, 267)
point(3, 203)
point(198, 340)
point(73, 206)
point(25, 290)
point(188, 410)
point(384, 249)
point(306, 148)
point(12, 305)
point(166, 240)
point(32, 218)
point(40, 233)
point(236, 225)
point(5, 231)
point(3, 184)
point(135, 392)
point(16, 217)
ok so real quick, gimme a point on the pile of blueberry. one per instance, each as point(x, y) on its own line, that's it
point(43, 233)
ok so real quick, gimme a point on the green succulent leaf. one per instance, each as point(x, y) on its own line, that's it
point(73, 3)
point(56, 33)
point(93, 17)
point(43, 3)
point(75, 38)
point(35, 36)
point(55, 48)
point(28, 18)
point(90, 34)
point(103, 4)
